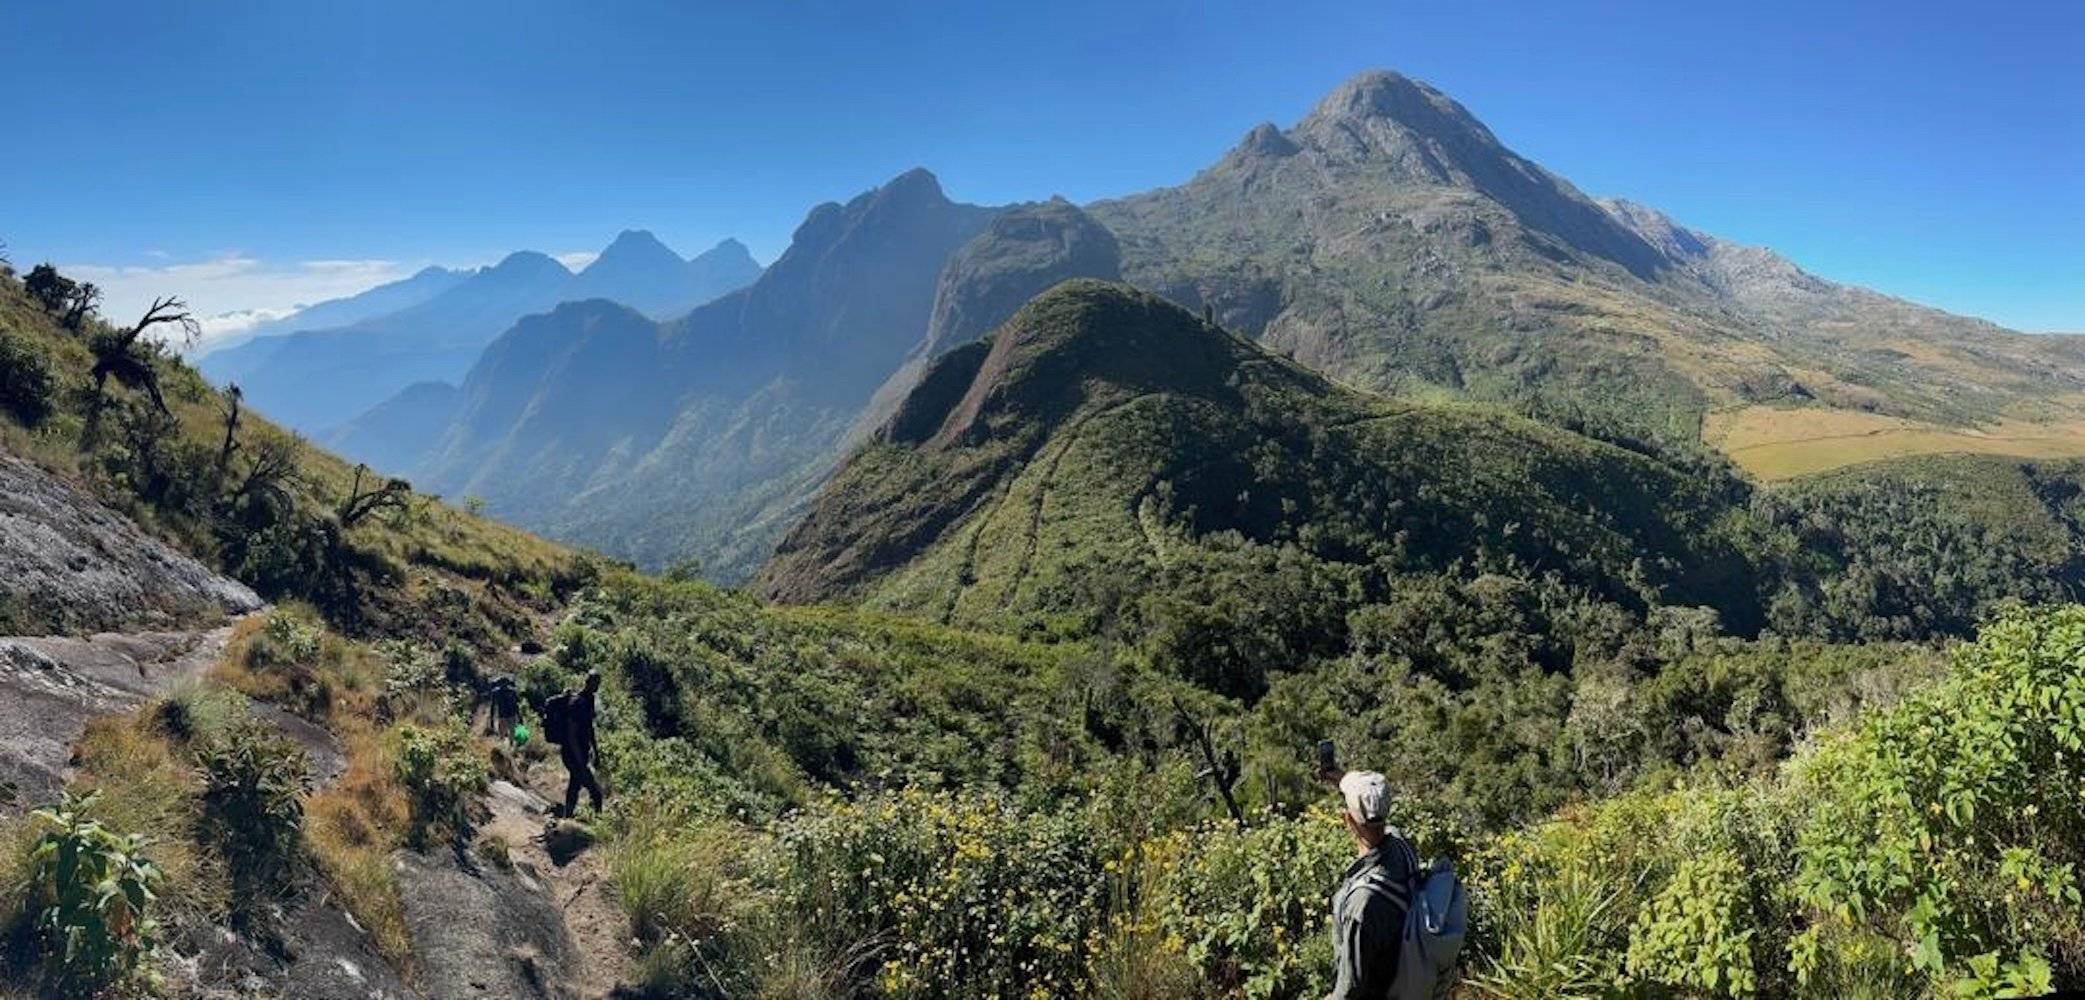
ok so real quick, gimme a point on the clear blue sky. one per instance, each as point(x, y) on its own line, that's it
point(1929, 152)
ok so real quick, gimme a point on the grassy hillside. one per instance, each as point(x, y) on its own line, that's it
point(1783, 442)
point(1106, 439)
point(271, 511)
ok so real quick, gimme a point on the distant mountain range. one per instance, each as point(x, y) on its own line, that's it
point(1387, 240)
point(344, 356)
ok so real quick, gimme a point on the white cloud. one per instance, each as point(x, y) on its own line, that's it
point(239, 321)
point(232, 290)
point(577, 260)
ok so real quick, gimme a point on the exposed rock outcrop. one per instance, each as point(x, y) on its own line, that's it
point(69, 564)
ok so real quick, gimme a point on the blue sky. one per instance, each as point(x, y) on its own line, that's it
point(255, 155)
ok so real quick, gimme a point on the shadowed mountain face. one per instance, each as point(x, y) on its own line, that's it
point(321, 377)
point(1026, 250)
point(596, 424)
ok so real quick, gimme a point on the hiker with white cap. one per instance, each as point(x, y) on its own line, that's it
point(1396, 925)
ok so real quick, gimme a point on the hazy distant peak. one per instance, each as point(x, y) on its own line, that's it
point(526, 262)
point(728, 250)
point(634, 248)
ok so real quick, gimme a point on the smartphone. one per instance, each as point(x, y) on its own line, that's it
point(1328, 757)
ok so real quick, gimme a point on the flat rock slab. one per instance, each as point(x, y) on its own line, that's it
point(70, 564)
point(320, 954)
point(482, 931)
point(50, 687)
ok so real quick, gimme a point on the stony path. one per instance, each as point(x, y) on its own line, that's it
point(579, 889)
point(51, 685)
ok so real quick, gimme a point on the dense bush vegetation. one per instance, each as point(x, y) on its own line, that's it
point(1928, 845)
point(442, 772)
point(27, 390)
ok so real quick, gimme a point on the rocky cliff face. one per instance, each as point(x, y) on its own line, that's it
point(69, 564)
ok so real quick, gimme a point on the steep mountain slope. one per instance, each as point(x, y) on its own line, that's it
point(1390, 239)
point(1026, 250)
point(394, 436)
point(1104, 439)
point(598, 426)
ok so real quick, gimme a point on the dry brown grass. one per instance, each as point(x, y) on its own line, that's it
point(1776, 443)
point(147, 785)
point(352, 827)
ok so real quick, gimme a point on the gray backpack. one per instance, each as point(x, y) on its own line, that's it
point(1434, 923)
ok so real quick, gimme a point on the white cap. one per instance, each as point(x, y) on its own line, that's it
point(1367, 796)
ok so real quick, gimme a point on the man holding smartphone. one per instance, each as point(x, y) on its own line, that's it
point(1368, 909)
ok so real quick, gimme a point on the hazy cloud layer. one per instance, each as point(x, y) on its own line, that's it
point(232, 292)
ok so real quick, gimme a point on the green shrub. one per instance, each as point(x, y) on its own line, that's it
point(286, 638)
point(27, 390)
point(193, 711)
point(253, 808)
point(1249, 907)
point(443, 773)
point(1697, 932)
point(92, 894)
point(1944, 835)
point(957, 889)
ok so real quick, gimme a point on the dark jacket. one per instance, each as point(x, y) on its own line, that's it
point(579, 726)
point(1368, 911)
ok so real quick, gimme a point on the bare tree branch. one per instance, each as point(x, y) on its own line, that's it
point(391, 494)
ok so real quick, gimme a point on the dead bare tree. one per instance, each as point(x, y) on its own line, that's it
point(117, 354)
point(390, 494)
point(232, 397)
point(1222, 774)
point(270, 470)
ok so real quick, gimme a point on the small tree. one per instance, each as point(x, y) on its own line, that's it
point(86, 297)
point(51, 290)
